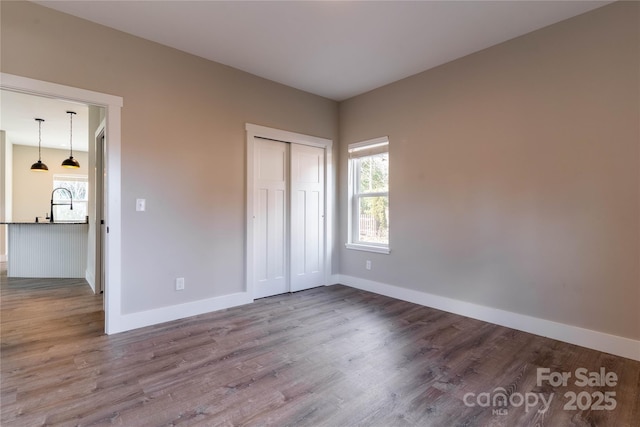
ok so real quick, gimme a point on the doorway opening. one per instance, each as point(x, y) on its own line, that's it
point(110, 258)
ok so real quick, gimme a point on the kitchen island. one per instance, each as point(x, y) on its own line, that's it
point(45, 249)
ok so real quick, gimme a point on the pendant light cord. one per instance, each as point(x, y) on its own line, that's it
point(40, 139)
point(71, 113)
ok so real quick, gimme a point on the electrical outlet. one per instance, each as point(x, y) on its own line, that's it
point(141, 205)
point(180, 284)
point(367, 264)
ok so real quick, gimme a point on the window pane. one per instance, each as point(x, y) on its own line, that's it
point(63, 213)
point(79, 188)
point(374, 173)
point(373, 221)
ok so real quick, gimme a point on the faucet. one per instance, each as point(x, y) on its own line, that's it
point(57, 204)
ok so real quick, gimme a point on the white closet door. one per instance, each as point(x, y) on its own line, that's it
point(307, 217)
point(270, 246)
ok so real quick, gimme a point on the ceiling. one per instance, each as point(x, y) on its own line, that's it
point(18, 112)
point(335, 49)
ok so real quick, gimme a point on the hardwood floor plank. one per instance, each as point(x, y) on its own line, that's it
point(331, 356)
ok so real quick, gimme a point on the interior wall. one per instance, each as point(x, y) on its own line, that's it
point(183, 145)
point(32, 190)
point(514, 175)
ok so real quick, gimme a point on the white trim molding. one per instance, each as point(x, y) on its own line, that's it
point(368, 248)
point(286, 136)
point(127, 322)
point(619, 346)
point(90, 278)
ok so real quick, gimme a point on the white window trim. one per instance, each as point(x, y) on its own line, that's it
point(369, 147)
point(368, 248)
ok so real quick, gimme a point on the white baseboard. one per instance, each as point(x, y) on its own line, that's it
point(127, 322)
point(88, 276)
point(600, 341)
point(334, 279)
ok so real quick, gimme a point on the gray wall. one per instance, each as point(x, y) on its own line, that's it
point(183, 145)
point(514, 175)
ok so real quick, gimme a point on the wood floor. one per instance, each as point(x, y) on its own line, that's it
point(331, 356)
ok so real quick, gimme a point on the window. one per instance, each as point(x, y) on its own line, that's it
point(369, 195)
point(79, 187)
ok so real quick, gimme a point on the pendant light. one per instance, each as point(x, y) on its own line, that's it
point(71, 162)
point(39, 166)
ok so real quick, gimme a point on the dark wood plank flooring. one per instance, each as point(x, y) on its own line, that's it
point(331, 356)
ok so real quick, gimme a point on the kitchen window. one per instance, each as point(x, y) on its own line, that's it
point(78, 186)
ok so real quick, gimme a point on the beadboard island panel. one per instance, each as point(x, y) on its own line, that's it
point(47, 250)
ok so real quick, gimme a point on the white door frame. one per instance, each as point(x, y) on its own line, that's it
point(113, 106)
point(254, 131)
point(100, 207)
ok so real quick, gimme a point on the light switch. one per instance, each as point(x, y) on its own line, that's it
point(141, 205)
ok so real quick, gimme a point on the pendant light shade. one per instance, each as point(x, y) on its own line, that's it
point(39, 166)
point(71, 162)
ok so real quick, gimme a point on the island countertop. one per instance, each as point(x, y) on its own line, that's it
point(42, 222)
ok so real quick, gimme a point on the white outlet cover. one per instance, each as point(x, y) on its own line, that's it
point(141, 205)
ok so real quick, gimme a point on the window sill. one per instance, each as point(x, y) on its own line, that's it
point(368, 248)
